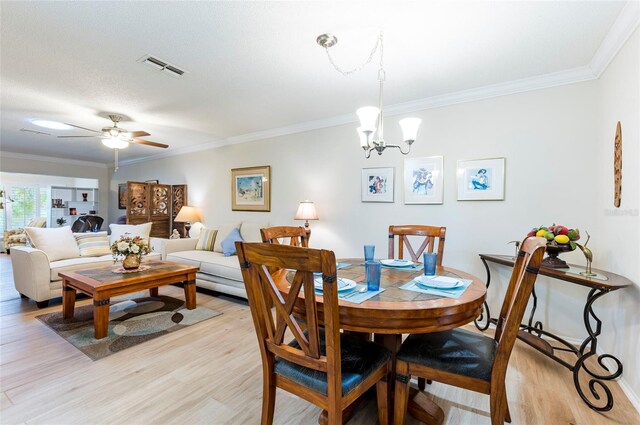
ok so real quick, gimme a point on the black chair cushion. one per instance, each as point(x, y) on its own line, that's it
point(359, 360)
point(457, 351)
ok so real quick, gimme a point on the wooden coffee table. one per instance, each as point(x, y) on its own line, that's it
point(101, 283)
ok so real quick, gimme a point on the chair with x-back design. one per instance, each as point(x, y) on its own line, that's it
point(430, 234)
point(320, 365)
point(297, 235)
point(468, 359)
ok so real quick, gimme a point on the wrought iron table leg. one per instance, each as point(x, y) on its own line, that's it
point(532, 327)
point(591, 342)
point(485, 307)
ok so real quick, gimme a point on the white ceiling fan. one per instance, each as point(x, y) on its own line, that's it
point(117, 138)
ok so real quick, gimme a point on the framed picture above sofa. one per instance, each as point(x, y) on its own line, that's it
point(251, 188)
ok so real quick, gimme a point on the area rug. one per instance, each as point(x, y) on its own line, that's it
point(131, 322)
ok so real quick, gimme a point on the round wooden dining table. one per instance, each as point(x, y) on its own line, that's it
point(395, 312)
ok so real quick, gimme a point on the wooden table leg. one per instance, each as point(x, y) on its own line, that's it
point(190, 294)
point(68, 301)
point(100, 318)
point(393, 342)
point(153, 292)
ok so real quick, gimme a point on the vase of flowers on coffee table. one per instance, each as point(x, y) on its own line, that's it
point(130, 250)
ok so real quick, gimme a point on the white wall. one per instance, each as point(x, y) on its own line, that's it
point(617, 243)
point(557, 143)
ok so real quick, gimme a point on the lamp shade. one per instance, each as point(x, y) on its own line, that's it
point(188, 214)
point(409, 128)
point(364, 143)
point(368, 116)
point(306, 211)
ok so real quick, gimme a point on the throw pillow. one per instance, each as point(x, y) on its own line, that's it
point(250, 232)
point(57, 242)
point(118, 230)
point(229, 243)
point(93, 244)
point(206, 239)
point(223, 230)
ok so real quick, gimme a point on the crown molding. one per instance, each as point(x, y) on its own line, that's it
point(623, 27)
point(30, 157)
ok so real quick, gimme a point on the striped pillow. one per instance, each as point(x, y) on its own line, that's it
point(207, 239)
point(93, 244)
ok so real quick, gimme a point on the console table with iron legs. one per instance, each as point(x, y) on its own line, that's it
point(532, 332)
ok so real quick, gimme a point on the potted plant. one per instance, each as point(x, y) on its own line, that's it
point(61, 221)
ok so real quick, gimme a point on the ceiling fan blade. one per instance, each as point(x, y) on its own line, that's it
point(70, 137)
point(35, 131)
point(149, 143)
point(84, 128)
point(139, 134)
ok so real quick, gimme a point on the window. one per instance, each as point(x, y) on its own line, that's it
point(24, 206)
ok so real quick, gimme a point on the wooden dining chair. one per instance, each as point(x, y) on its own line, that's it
point(430, 234)
point(467, 359)
point(320, 365)
point(297, 235)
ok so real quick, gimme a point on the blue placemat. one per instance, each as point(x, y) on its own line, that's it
point(448, 293)
point(342, 265)
point(418, 266)
point(355, 296)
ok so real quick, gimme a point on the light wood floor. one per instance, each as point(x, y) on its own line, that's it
point(211, 373)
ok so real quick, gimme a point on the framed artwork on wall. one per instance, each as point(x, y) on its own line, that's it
point(122, 196)
point(481, 179)
point(423, 180)
point(377, 184)
point(251, 189)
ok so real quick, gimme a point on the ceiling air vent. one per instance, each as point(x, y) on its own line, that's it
point(160, 65)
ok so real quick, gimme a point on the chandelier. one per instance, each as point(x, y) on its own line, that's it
point(371, 130)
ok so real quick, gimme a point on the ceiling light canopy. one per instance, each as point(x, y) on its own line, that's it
point(54, 125)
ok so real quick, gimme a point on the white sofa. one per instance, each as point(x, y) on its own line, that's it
point(37, 278)
point(217, 272)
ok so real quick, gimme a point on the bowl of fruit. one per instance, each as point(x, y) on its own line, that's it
point(559, 239)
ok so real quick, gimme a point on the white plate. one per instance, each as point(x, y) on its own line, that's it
point(343, 284)
point(440, 282)
point(397, 263)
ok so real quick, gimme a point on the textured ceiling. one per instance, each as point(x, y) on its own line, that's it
point(254, 66)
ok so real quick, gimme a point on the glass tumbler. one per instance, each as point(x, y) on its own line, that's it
point(369, 251)
point(430, 260)
point(373, 269)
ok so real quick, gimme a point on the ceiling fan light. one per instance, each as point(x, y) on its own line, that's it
point(115, 143)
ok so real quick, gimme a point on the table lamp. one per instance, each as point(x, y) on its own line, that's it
point(306, 211)
point(188, 215)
